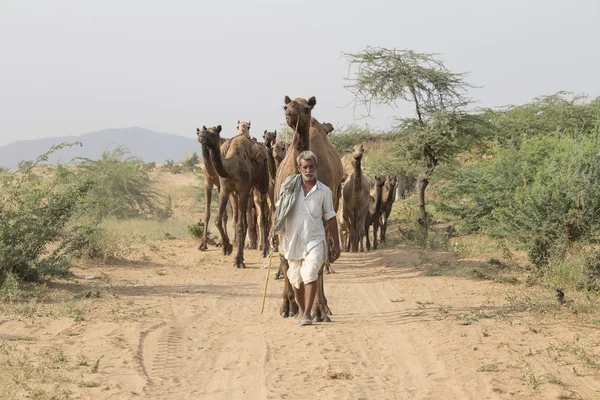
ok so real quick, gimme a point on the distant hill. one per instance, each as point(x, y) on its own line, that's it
point(143, 143)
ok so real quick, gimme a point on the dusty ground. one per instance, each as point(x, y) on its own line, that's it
point(177, 323)
point(188, 325)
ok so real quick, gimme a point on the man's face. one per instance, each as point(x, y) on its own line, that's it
point(307, 169)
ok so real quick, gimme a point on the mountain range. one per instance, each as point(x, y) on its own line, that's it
point(143, 143)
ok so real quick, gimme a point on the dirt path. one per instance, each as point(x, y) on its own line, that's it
point(188, 327)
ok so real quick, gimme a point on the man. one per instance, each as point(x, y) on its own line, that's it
point(303, 205)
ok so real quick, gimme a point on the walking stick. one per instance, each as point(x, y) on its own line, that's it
point(267, 281)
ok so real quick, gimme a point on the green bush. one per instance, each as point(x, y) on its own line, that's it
point(190, 163)
point(34, 219)
point(121, 187)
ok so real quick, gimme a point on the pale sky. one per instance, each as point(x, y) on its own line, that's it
point(72, 67)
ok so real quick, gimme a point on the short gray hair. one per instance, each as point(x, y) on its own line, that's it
point(307, 155)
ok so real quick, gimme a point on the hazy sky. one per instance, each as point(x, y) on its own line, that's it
point(71, 67)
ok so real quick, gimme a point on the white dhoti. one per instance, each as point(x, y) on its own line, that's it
point(307, 269)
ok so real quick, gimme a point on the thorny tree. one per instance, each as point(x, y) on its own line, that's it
point(383, 77)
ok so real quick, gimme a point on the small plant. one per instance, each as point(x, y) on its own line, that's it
point(196, 230)
point(488, 368)
point(96, 365)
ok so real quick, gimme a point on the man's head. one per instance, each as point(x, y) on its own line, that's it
point(307, 165)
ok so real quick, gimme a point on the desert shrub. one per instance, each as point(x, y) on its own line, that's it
point(190, 163)
point(25, 165)
point(539, 184)
point(344, 138)
point(121, 187)
point(172, 167)
point(34, 219)
point(197, 229)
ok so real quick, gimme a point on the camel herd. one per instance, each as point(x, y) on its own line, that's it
point(248, 174)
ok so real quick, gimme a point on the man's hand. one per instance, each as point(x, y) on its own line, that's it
point(336, 251)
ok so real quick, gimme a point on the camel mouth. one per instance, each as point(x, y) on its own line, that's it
point(291, 111)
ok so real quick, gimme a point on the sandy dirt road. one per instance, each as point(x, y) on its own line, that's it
point(188, 327)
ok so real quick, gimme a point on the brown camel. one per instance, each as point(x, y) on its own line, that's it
point(342, 226)
point(241, 166)
point(211, 179)
point(309, 135)
point(388, 197)
point(374, 214)
point(328, 127)
point(355, 195)
point(279, 152)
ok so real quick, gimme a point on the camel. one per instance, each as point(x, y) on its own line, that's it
point(355, 195)
point(211, 179)
point(244, 128)
point(374, 214)
point(328, 127)
point(309, 134)
point(342, 226)
point(242, 166)
point(279, 151)
point(388, 198)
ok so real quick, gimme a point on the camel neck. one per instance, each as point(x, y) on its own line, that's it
point(302, 138)
point(208, 164)
point(357, 176)
point(217, 160)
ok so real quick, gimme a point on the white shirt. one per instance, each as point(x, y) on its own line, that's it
point(304, 227)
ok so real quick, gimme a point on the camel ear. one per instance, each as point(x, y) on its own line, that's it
point(287, 100)
point(275, 132)
point(312, 102)
point(203, 127)
point(249, 123)
point(218, 128)
point(197, 131)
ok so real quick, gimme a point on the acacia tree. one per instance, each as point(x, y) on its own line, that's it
point(385, 76)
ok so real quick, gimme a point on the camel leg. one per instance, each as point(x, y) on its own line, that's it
point(367, 227)
point(329, 243)
point(262, 211)
point(251, 221)
point(289, 307)
point(241, 228)
point(384, 221)
point(233, 202)
point(208, 197)
point(223, 198)
point(375, 228)
point(320, 309)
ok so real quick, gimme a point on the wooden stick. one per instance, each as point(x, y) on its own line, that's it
point(266, 281)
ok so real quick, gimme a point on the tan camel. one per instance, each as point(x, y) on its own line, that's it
point(241, 166)
point(355, 195)
point(388, 197)
point(211, 179)
point(243, 128)
point(309, 135)
point(374, 214)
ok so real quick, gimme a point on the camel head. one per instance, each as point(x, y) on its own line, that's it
point(270, 138)
point(392, 181)
point(380, 181)
point(209, 137)
point(298, 111)
point(328, 127)
point(358, 152)
point(279, 150)
point(243, 128)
